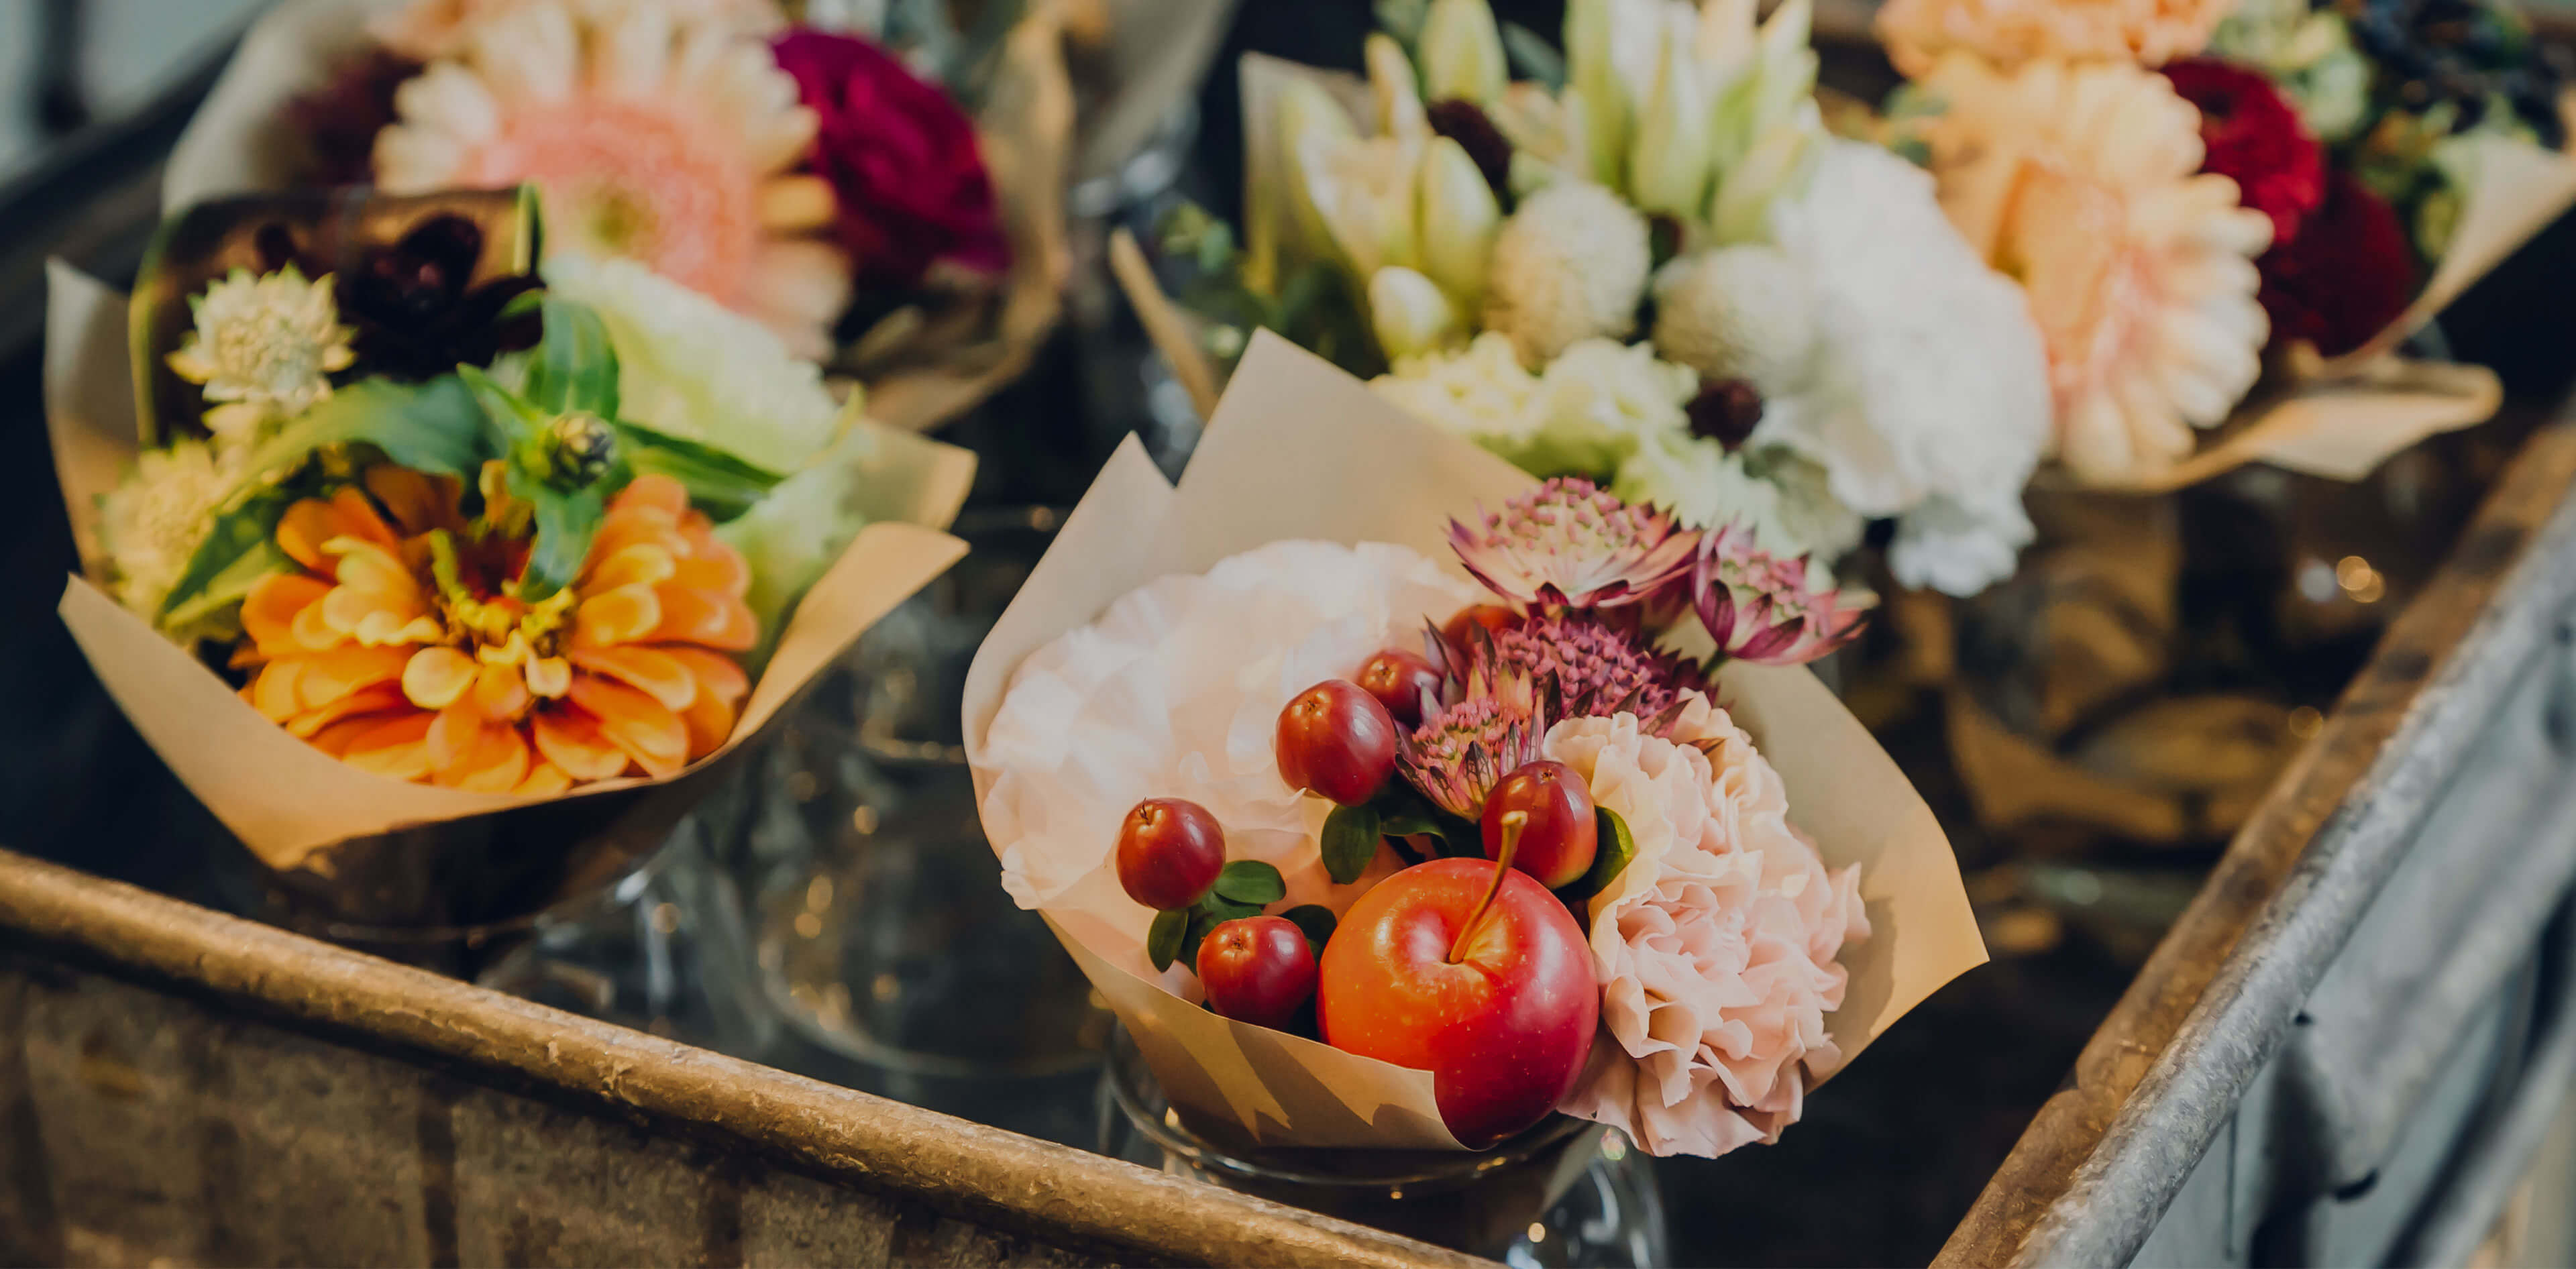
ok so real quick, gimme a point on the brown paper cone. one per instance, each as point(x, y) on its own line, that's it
point(1299, 449)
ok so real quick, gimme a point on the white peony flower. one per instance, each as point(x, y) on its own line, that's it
point(1568, 266)
point(263, 347)
point(1960, 547)
point(152, 523)
point(1175, 692)
point(692, 368)
point(1715, 949)
point(1929, 379)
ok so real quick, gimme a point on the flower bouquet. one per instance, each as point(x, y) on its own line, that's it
point(2229, 217)
point(1388, 797)
point(805, 177)
point(412, 565)
point(1647, 263)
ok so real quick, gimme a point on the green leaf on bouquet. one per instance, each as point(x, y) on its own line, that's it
point(567, 520)
point(575, 367)
point(1251, 881)
point(1163, 941)
point(719, 484)
point(1350, 842)
point(240, 541)
point(1315, 921)
point(435, 427)
point(1617, 847)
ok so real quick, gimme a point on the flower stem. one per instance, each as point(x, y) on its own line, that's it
point(1513, 823)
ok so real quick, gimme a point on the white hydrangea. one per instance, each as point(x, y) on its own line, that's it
point(1930, 380)
point(692, 368)
point(1584, 413)
point(1570, 265)
point(153, 522)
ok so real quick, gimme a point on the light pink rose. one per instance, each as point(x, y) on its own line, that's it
point(1716, 946)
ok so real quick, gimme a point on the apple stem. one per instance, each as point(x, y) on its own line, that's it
point(1513, 823)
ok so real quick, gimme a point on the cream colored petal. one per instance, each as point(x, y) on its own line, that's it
point(631, 52)
point(529, 56)
point(415, 159)
point(455, 99)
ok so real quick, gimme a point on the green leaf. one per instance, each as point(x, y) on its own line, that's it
point(1316, 921)
point(434, 427)
point(1410, 825)
point(566, 521)
point(1220, 909)
point(1163, 941)
point(1200, 923)
point(1350, 842)
point(228, 587)
point(575, 367)
point(1610, 859)
point(1251, 881)
point(1534, 57)
point(719, 484)
point(242, 533)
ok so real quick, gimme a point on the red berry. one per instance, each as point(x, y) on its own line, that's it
point(1169, 852)
point(1337, 741)
point(1561, 837)
point(1258, 970)
point(1399, 680)
point(1495, 618)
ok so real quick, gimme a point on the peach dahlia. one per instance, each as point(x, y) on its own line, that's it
point(400, 644)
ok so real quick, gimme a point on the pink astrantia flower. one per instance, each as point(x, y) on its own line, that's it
point(1596, 669)
point(1769, 609)
point(1456, 757)
point(1567, 544)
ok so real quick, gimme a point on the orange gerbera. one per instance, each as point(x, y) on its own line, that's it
point(399, 649)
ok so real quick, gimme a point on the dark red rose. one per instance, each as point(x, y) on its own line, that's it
point(2255, 138)
point(340, 119)
point(2348, 274)
point(900, 156)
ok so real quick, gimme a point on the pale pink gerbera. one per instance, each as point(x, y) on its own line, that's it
point(2083, 182)
point(2010, 33)
point(656, 132)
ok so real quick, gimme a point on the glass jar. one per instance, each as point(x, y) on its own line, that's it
point(1565, 1193)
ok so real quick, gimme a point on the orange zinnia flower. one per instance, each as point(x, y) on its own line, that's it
point(399, 649)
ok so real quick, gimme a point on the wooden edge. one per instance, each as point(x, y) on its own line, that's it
point(2163, 1074)
point(839, 1134)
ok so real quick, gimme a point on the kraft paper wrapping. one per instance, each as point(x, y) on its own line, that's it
point(921, 372)
point(1298, 449)
point(2341, 418)
point(283, 798)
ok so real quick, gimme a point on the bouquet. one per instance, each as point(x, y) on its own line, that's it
point(807, 178)
point(2230, 216)
point(1646, 263)
point(382, 531)
point(1389, 798)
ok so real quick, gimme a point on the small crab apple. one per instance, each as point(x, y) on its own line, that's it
point(1257, 969)
point(1559, 836)
point(1169, 853)
point(1337, 741)
point(1494, 618)
point(1402, 681)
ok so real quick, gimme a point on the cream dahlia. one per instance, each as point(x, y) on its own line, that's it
point(2011, 33)
point(1716, 948)
point(656, 131)
point(2083, 183)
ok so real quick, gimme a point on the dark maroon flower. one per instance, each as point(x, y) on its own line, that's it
point(2254, 137)
point(1466, 123)
point(2348, 274)
point(1725, 411)
point(340, 119)
point(901, 158)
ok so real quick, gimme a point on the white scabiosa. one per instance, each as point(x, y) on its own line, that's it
point(1570, 265)
point(1736, 313)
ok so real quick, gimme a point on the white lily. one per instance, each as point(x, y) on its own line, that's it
point(1462, 53)
point(1410, 313)
point(1459, 217)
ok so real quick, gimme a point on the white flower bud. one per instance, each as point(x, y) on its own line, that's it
point(1569, 265)
point(1673, 159)
point(1737, 313)
point(1392, 89)
point(1458, 221)
point(1410, 313)
point(1462, 52)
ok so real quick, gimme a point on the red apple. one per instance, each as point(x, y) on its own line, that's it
point(1257, 969)
point(1561, 835)
point(1495, 618)
point(1400, 680)
point(1504, 1029)
point(1169, 852)
point(1337, 741)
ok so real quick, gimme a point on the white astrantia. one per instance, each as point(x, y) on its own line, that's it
point(151, 524)
point(692, 368)
point(263, 348)
point(1928, 392)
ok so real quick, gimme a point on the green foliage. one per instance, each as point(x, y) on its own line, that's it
point(1350, 841)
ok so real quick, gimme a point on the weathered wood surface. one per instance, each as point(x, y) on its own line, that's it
point(2159, 1081)
point(182, 1087)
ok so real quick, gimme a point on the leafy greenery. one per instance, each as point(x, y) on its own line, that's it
point(1251, 881)
point(1315, 921)
point(1350, 841)
point(1617, 848)
point(1163, 939)
point(1317, 306)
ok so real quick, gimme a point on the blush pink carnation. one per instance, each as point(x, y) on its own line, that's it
point(1716, 948)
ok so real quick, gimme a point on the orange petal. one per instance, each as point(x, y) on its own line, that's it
point(501, 693)
point(398, 748)
point(497, 763)
point(273, 692)
point(710, 721)
point(328, 676)
point(623, 615)
point(435, 677)
point(665, 678)
point(718, 675)
point(703, 617)
point(302, 531)
point(311, 630)
point(625, 533)
point(544, 780)
point(653, 736)
point(549, 677)
point(656, 492)
point(645, 562)
point(714, 567)
point(373, 700)
point(358, 518)
point(453, 736)
point(336, 738)
point(269, 611)
point(417, 502)
point(570, 739)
